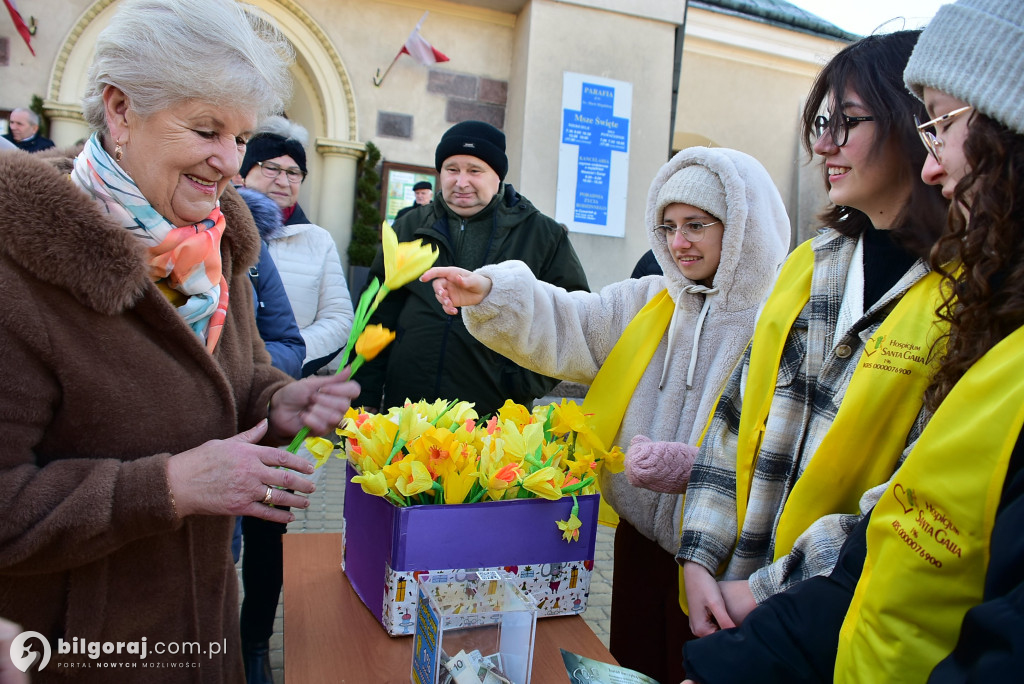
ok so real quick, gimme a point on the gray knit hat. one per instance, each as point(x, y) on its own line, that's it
point(694, 185)
point(974, 51)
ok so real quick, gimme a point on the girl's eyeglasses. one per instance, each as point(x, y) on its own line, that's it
point(932, 142)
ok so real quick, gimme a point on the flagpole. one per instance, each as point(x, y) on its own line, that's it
point(378, 79)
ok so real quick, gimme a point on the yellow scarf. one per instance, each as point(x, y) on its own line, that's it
point(613, 387)
point(929, 535)
point(881, 403)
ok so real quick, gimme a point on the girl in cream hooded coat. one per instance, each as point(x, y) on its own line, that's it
point(569, 335)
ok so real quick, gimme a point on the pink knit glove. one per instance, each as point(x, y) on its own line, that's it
point(659, 466)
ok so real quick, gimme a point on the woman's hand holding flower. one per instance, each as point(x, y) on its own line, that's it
point(318, 403)
point(232, 477)
point(455, 287)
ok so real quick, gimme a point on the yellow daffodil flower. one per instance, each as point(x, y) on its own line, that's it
point(372, 341)
point(568, 417)
point(545, 483)
point(581, 465)
point(517, 413)
point(458, 483)
point(519, 445)
point(570, 528)
point(403, 261)
point(413, 477)
point(321, 448)
point(502, 479)
point(372, 483)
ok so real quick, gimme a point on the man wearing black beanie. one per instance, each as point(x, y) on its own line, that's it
point(476, 219)
point(423, 192)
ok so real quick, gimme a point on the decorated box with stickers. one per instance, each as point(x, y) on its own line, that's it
point(479, 629)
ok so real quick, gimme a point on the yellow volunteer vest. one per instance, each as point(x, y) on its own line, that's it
point(620, 373)
point(929, 535)
point(870, 429)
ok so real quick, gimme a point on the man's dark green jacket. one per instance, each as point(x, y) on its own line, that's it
point(433, 355)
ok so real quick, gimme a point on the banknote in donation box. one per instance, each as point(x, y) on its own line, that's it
point(385, 548)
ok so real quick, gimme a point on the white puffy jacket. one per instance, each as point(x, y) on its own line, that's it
point(310, 267)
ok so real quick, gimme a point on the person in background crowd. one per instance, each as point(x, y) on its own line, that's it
point(646, 265)
point(717, 225)
point(263, 564)
point(24, 131)
point(804, 426)
point(423, 191)
point(940, 596)
point(140, 409)
point(274, 318)
point(306, 255)
point(478, 219)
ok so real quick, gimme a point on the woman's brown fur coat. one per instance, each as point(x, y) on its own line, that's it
point(100, 382)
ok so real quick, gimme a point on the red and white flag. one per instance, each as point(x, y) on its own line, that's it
point(417, 47)
point(19, 24)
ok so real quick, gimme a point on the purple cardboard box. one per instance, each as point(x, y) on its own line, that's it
point(385, 547)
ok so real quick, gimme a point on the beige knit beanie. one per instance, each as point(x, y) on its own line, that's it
point(974, 51)
point(694, 185)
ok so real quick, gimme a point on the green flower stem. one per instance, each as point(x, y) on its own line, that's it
point(393, 498)
point(577, 487)
point(360, 360)
point(534, 461)
point(447, 408)
point(476, 498)
point(293, 448)
point(399, 443)
point(363, 313)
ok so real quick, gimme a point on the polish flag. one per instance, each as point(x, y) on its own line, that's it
point(19, 24)
point(417, 47)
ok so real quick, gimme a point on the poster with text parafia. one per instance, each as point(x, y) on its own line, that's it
point(593, 154)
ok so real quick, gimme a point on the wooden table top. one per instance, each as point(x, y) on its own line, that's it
point(330, 637)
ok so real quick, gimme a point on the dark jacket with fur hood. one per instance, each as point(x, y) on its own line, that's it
point(101, 382)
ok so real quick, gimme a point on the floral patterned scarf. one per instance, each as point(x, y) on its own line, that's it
point(185, 258)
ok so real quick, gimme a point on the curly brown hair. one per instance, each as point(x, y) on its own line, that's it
point(981, 258)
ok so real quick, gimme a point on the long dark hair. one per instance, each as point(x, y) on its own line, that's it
point(873, 67)
point(984, 297)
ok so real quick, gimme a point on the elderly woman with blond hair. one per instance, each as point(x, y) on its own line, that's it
point(140, 409)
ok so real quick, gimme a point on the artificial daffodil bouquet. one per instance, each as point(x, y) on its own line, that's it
point(403, 263)
point(443, 453)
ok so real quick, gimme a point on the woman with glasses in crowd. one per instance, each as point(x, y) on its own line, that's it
point(829, 393)
point(305, 254)
point(931, 585)
point(307, 259)
point(655, 352)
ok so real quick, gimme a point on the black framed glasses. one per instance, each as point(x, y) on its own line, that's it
point(838, 127)
point(932, 142)
point(272, 171)
point(693, 231)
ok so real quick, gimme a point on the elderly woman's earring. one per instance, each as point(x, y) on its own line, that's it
point(118, 152)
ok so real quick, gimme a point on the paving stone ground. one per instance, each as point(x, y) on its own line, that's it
point(325, 514)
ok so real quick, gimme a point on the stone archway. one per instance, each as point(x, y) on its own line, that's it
point(323, 102)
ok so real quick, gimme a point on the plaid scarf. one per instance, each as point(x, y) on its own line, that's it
point(185, 258)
